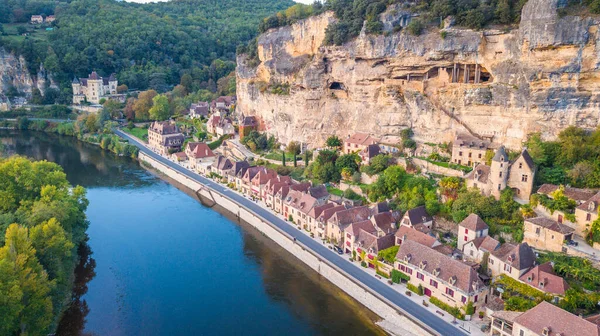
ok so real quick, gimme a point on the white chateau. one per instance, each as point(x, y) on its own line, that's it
point(94, 88)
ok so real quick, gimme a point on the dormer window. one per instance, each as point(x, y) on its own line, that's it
point(592, 206)
point(452, 280)
point(547, 331)
point(436, 272)
point(407, 257)
point(423, 264)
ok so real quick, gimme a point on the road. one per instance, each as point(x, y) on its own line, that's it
point(414, 309)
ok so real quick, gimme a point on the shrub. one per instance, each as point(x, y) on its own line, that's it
point(415, 289)
point(454, 311)
point(382, 274)
point(398, 276)
point(363, 264)
point(415, 27)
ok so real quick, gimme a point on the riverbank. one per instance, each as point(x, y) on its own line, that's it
point(402, 322)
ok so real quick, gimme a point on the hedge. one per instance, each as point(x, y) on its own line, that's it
point(454, 311)
point(382, 274)
point(398, 276)
point(415, 289)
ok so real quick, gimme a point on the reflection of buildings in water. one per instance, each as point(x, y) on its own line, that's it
point(305, 292)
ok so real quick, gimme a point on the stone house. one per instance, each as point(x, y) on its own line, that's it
point(247, 125)
point(468, 150)
point(165, 137)
point(225, 127)
point(212, 123)
point(418, 218)
point(546, 234)
point(323, 218)
point(405, 233)
point(198, 110)
point(313, 216)
point(470, 228)
point(575, 194)
point(367, 245)
point(512, 260)
point(586, 213)
point(179, 157)
point(281, 195)
point(543, 278)
point(544, 319)
point(223, 103)
point(201, 157)
point(50, 18)
point(352, 231)
point(341, 219)
point(358, 142)
point(517, 175)
point(260, 180)
point(480, 248)
point(443, 277)
point(36, 19)
point(237, 171)
point(221, 166)
point(369, 152)
point(272, 187)
point(385, 222)
point(94, 88)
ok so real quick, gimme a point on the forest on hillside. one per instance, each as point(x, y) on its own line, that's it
point(147, 45)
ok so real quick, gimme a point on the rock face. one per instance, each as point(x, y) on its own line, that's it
point(541, 77)
point(14, 74)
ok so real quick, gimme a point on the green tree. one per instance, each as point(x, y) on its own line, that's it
point(333, 141)
point(113, 108)
point(142, 105)
point(160, 108)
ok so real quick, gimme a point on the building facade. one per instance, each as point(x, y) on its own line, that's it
point(468, 150)
point(94, 88)
point(164, 137)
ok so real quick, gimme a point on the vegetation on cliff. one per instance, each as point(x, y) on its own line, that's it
point(42, 221)
point(147, 45)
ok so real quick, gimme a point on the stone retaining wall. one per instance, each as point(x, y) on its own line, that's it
point(379, 305)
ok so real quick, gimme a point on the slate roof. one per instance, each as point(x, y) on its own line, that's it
point(249, 122)
point(352, 215)
point(164, 127)
point(371, 151)
point(500, 155)
point(544, 273)
point(480, 173)
point(474, 223)
point(550, 224)
point(428, 259)
point(381, 207)
point(417, 236)
point(238, 167)
point(467, 140)
point(385, 221)
point(520, 256)
point(528, 159)
point(576, 194)
point(558, 321)
point(173, 140)
point(418, 215)
point(319, 191)
point(591, 205)
point(222, 163)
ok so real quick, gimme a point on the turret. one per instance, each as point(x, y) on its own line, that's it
point(499, 172)
point(76, 86)
point(112, 83)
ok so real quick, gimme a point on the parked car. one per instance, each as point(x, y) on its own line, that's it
point(338, 250)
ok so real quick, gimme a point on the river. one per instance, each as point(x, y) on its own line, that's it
point(160, 263)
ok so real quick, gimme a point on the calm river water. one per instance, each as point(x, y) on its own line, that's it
point(163, 264)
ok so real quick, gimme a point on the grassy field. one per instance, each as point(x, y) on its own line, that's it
point(141, 133)
point(335, 191)
point(11, 32)
point(288, 157)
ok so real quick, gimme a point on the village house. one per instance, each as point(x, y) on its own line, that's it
point(341, 219)
point(468, 150)
point(471, 228)
point(367, 245)
point(259, 180)
point(443, 277)
point(164, 137)
point(389, 144)
point(221, 166)
point(418, 218)
point(544, 319)
point(198, 110)
point(586, 213)
point(314, 214)
point(281, 195)
point(543, 278)
point(237, 171)
point(480, 248)
point(358, 142)
point(36, 19)
point(247, 125)
point(50, 18)
point(517, 175)
point(94, 88)
point(271, 188)
point(223, 104)
point(212, 123)
point(246, 180)
point(352, 231)
point(574, 194)
point(299, 208)
point(201, 157)
point(546, 234)
point(368, 153)
point(323, 218)
point(405, 233)
point(225, 127)
point(385, 222)
point(179, 157)
point(512, 260)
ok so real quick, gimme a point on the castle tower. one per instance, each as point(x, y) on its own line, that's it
point(112, 84)
point(95, 88)
point(499, 172)
point(76, 86)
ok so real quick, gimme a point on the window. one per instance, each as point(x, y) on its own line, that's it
point(459, 153)
point(588, 217)
point(433, 283)
point(479, 156)
point(402, 268)
point(475, 298)
point(521, 332)
point(463, 299)
point(420, 276)
point(507, 268)
point(449, 292)
point(471, 253)
point(467, 231)
point(348, 236)
point(409, 270)
point(466, 238)
point(470, 154)
point(499, 187)
point(523, 178)
point(552, 236)
point(520, 165)
point(537, 230)
point(491, 261)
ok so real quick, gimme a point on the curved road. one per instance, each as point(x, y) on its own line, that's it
point(415, 310)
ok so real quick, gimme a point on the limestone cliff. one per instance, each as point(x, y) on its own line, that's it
point(14, 74)
point(539, 77)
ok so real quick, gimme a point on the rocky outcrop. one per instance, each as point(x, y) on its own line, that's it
point(500, 85)
point(14, 74)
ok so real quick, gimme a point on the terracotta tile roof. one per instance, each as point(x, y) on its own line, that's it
point(467, 140)
point(551, 224)
point(164, 127)
point(486, 243)
point(520, 256)
point(557, 321)
point(199, 150)
point(480, 173)
point(576, 194)
point(251, 172)
point(414, 235)
point(370, 241)
point(385, 221)
point(263, 175)
point(316, 211)
point(543, 278)
point(328, 213)
point(418, 215)
point(591, 205)
point(355, 228)
point(506, 315)
point(450, 270)
point(180, 155)
point(444, 249)
point(361, 139)
point(474, 223)
point(349, 216)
